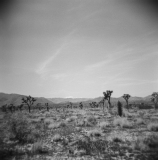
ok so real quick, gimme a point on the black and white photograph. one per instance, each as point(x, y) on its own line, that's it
point(78, 79)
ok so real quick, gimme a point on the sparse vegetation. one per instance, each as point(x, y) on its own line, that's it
point(78, 132)
point(123, 122)
point(104, 125)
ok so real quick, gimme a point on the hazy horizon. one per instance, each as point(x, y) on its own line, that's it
point(77, 48)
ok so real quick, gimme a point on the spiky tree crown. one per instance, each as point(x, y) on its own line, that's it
point(29, 100)
point(126, 96)
point(154, 97)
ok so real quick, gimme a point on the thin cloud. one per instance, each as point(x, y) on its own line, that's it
point(137, 82)
point(97, 65)
point(43, 69)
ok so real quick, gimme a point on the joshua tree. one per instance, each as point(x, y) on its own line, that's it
point(154, 99)
point(20, 107)
point(107, 96)
point(46, 104)
point(39, 106)
point(81, 105)
point(29, 101)
point(90, 105)
point(119, 108)
point(11, 107)
point(4, 108)
point(71, 105)
point(94, 104)
point(126, 97)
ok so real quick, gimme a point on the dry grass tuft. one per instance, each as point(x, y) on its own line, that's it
point(152, 126)
point(140, 121)
point(104, 125)
point(123, 122)
point(94, 133)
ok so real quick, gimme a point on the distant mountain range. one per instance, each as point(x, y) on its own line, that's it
point(16, 99)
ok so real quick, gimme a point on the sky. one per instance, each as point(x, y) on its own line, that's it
point(78, 48)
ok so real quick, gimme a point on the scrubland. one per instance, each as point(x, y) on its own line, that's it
point(79, 134)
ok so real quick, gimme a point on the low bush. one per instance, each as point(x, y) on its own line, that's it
point(140, 121)
point(71, 119)
point(89, 146)
point(94, 133)
point(91, 120)
point(123, 122)
point(146, 143)
point(152, 127)
point(104, 125)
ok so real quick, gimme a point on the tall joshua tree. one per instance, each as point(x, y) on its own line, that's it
point(126, 97)
point(46, 104)
point(29, 101)
point(107, 96)
point(102, 102)
point(154, 99)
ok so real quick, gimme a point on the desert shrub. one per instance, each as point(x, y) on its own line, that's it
point(57, 137)
point(146, 143)
point(80, 123)
point(104, 125)
point(38, 148)
point(21, 129)
point(4, 148)
point(53, 126)
point(152, 126)
point(62, 124)
point(48, 121)
point(117, 139)
point(123, 122)
point(91, 120)
point(140, 121)
point(71, 119)
point(89, 146)
point(94, 133)
point(141, 113)
point(66, 131)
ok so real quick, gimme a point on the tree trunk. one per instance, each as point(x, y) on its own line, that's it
point(127, 106)
point(104, 107)
point(29, 109)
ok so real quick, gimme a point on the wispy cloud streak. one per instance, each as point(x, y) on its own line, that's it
point(43, 69)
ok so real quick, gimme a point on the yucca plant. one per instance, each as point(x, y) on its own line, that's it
point(119, 108)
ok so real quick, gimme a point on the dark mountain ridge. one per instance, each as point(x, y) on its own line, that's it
point(16, 99)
